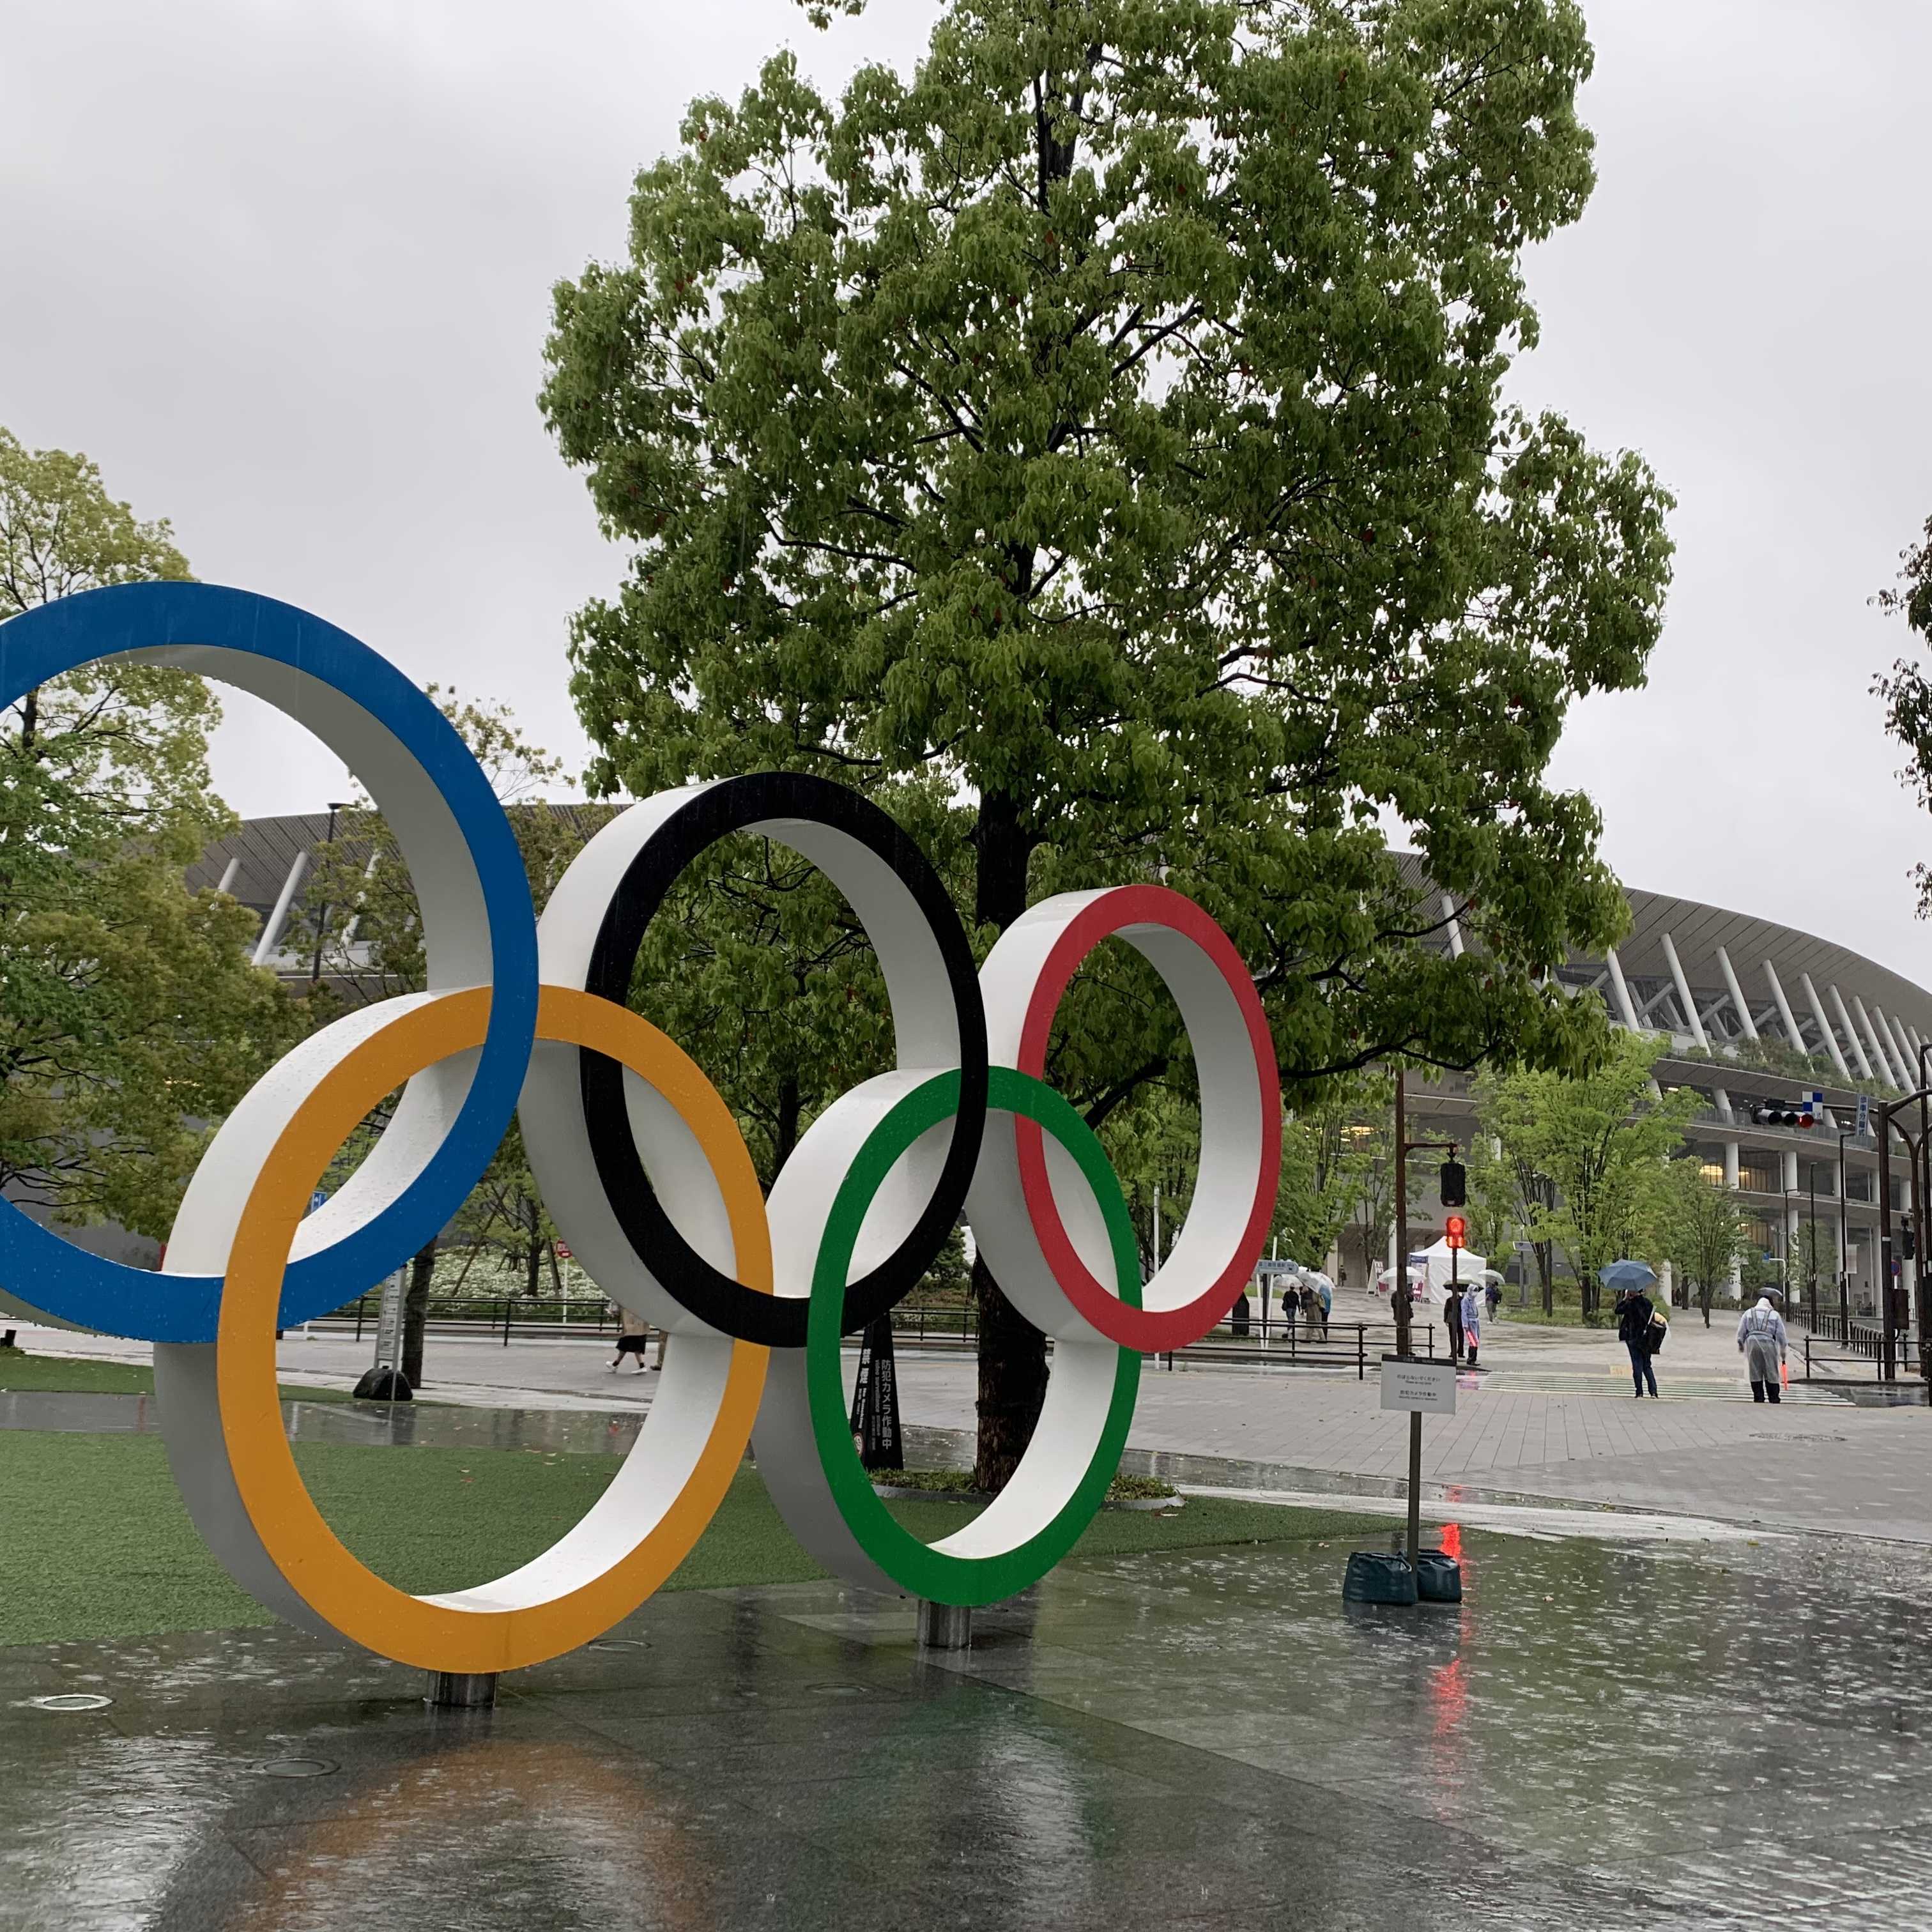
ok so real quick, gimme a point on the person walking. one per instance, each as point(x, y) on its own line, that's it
point(1761, 1342)
point(1472, 1320)
point(634, 1336)
point(1634, 1314)
point(1452, 1320)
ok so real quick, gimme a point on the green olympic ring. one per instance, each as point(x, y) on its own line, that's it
point(978, 1564)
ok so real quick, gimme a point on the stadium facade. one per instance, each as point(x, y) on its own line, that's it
point(1754, 1013)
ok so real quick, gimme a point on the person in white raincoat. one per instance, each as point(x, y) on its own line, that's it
point(1761, 1343)
point(1472, 1319)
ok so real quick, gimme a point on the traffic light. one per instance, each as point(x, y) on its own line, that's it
point(1455, 1231)
point(1787, 1113)
point(1908, 1242)
point(1453, 1185)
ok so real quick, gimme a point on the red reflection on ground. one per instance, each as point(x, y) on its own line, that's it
point(1449, 1692)
point(1452, 1540)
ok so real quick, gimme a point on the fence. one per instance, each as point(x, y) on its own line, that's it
point(1336, 1345)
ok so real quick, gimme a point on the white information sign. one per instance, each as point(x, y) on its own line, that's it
point(1426, 1387)
point(389, 1322)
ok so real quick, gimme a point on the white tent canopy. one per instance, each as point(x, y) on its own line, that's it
point(1443, 1261)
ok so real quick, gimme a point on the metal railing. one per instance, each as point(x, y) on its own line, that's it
point(1334, 1345)
point(506, 1316)
point(1344, 1345)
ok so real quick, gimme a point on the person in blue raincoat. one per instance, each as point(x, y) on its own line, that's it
point(1761, 1342)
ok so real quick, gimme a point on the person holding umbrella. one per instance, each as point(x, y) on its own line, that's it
point(1629, 1280)
point(1492, 1291)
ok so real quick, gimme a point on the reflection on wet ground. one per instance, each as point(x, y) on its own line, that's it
point(410, 1424)
point(1598, 1736)
point(400, 1423)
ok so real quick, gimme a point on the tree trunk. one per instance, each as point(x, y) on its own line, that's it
point(1012, 1381)
point(416, 1310)
point(533, 1255)
point(1013, 1352)
point(1546, 1273)
point(784, 1128)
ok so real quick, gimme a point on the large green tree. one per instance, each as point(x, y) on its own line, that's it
point(1093, 444)
point(130, 1016)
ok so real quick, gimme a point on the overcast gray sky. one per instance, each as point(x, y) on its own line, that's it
point(283, 271)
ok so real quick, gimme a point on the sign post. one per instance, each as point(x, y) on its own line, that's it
point(875, 1399)
point(1423, 1387)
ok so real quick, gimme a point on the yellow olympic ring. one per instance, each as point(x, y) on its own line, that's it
point(523, 1618)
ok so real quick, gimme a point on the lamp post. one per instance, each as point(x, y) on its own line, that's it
point(1811, 1248)
point(1844, 1279)
point(321, 917)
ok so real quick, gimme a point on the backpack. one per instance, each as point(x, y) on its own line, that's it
point(1654, 1336)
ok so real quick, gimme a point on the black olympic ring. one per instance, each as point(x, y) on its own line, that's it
point(754, 802)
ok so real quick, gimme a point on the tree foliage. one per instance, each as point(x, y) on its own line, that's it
point(1906, 688)
point(1093, 444)
point(1600, 1143)
point(131, 1018)
point(1706, 1228)
point(1495, 1209)
point(1330, 1146)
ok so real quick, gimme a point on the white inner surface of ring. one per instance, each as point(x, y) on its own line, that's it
point(456, 948)
point(925, 1032)
point(1080, 1383)
point(1230, 1127)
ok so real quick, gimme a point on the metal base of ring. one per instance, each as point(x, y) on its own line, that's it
point(945, 1626)
point(462, 1690)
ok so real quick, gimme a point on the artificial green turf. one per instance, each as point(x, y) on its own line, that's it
point(73, 1376)
point(96, 1542)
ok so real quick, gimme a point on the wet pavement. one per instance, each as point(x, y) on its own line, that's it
point(1598, 1736)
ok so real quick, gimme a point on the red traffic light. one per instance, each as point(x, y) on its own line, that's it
point(1455, 1231)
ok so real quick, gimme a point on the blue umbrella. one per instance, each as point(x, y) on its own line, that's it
point(1618, 1275)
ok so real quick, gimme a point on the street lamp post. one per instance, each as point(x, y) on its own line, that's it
point(1811, 1248)
point(1844, 1278)
point(321, 917)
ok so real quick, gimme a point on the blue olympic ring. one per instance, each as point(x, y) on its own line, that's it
point(89, 1290)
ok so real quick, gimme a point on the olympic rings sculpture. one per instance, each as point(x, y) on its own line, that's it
point(644, 1172)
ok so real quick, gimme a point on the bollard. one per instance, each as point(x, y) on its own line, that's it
point(945, 1626)
point(462, 1690)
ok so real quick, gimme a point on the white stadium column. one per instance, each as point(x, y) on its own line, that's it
point(279, 918)
point(1626, 1006)
point(1683, 986)
point(1736, 1283)
point(228, 872)
point(1901, 1057)
point(1791, 1032)
point(1880, 1059)
point(1455, 927)
point(1736, 992)
point(1790, 1178)
point(1831, 1032)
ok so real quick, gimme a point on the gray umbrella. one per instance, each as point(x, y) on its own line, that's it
point(1618, 1276)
